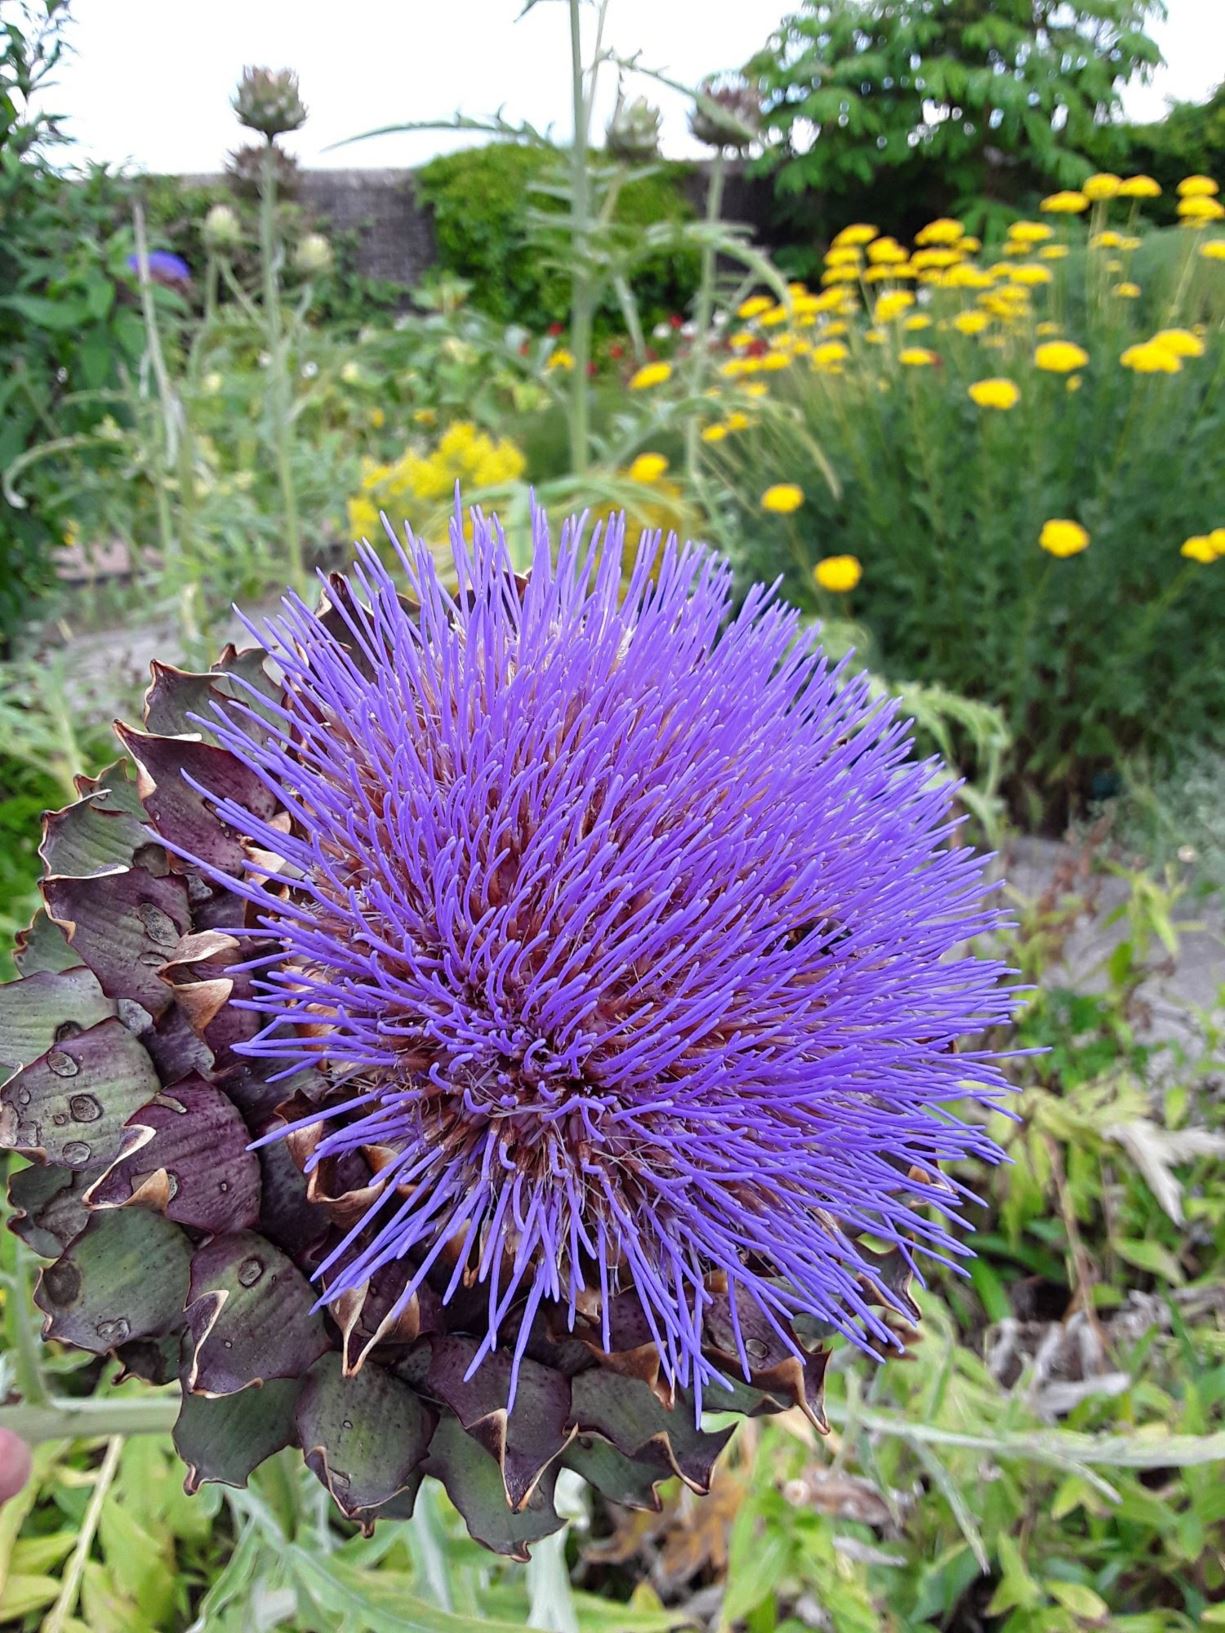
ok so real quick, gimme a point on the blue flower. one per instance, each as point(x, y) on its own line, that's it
point(164, 268)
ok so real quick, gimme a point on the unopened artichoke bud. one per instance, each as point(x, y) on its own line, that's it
point(476, 1030)
point(726, 115)
point(313, 254)
point(245, 168)
point(222, 229)
point(632, 134)
point(267, 100)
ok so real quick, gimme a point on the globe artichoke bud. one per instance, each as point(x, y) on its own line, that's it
point(222, 230)
point(727, 114)
point(245, 169)
point(632, 134)
point(474, 1031)
point(313, 254)
point(267, 100)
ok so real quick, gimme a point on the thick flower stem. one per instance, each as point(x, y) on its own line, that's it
point(278, 372)
point(580, 300)
point(61, 1418)
point(704, 306)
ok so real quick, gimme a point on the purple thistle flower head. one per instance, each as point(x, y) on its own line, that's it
point(627, 934)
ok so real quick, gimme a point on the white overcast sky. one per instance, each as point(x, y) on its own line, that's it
point(149, 82)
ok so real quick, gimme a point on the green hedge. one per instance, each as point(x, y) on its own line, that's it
point(480, 200)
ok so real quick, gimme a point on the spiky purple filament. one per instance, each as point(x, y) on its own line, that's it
point(633, 928)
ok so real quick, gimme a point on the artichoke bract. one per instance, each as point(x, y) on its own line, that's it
point(478, 1030)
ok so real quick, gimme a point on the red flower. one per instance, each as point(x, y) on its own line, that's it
point(676, 320)
point(616, 349)
point(557, 328)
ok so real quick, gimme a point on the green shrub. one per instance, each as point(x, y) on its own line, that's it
point(482, 199)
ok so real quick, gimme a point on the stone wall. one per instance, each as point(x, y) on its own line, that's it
point(394, 236)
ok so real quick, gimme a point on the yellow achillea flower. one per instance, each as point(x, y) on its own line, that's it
point(1151, 358)
point(1106, 240)
point(1102, 186)
point(874, 337)
point(934, 260)
point(737, 420)
point(1197, 187)
point(425, 416)
point(652, 374)
point(829, 354)
point(838, 573)
point(1060, 357)
point(920, 320)
point(647, 468)
point(1179, 341)
point(753, 306)
point(941, 231)
point(842, 255)
point(857, 233)
point(560, 359)
point(1075, 381)
point(1029, 273)
point(1139, 187)
point(1199, 548)
point(1047, 327)
point(840, 275)
point(996, 393)
point(1065, 203)
point(363, 518)
point(1030, 232)
point(377, 418)
point(967, 276)
point(714, 433)
point(1061, 537)
point(971, 323)
point(775, 316)
point(916, 357)
point(782, 498)
point(892, 305)
point(756, 388)
point(886, 252)
point(1053, 252)
point(1213, 250)
point(1198, 207)
point(1127, 291)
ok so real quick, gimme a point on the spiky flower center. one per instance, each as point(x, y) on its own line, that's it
point(624, 932)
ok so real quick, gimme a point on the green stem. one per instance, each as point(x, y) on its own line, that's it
point(62, 1418)
point(66, 1603)
point(171, 544)
point(704, 308)
point(580, 299)
point(278, 364)
point(28, 1367)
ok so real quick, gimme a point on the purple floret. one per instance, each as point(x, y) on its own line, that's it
point(631, 928)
